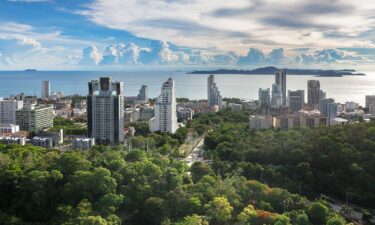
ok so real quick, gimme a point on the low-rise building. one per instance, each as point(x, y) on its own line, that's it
point(235, 106)
point(13, 140)
point(43, 142)
point(260, 122)
point(8, 128)
point(184, 114)
point(83, 143)
point(146, 113)
point(131, 115)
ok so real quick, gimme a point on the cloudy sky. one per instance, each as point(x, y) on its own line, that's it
point(96, 34)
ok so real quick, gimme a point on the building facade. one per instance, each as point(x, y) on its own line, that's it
point(277, 99)
point(105, 111)
point(142, 97)
point(35, 118)
point(165, 119)
point(280, 79)
point(313, 93)
point(260, 122)
point(296, 100)
point(213, 94)
point(264, 97)
point(46, 89)
point(8, 110)
point(328, 109)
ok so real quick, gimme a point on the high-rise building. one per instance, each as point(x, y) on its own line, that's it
point(46, 89)
point(371, 109)
point(313, 93)
point(165, 119)
point(143, 94)
point(328, 108)
point(105, 111)
point(8, 110)
point(370, 99)
point(34, 118)
point(296, 100)
point(280, 79)
point(264, 97)
point(213, 93)
point(277, 96)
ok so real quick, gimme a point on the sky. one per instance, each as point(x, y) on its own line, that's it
point(140, 34)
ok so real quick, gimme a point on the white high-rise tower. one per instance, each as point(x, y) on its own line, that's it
point(165, 119)
point(46, 89)
point(213, 93)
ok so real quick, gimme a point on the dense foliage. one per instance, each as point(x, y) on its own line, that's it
point(112, 186)
point(337, 160)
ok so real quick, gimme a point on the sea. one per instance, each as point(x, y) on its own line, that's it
point(192, 86)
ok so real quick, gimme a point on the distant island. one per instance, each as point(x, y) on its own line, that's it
point(30, 70)
point(272, 70)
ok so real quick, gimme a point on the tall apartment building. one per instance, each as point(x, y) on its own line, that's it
point(264, 97)
point(213, 93)
point(313, 93)
point(328, 108)
point(46, 89)
point(165, 119)
point(296, 100)
point(142, 97)
point(8, 110)
point(35, 118)
point(280, 79)
point(277, 99)
point(105, 111)
point(370, 99)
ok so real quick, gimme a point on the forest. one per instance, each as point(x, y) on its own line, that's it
point(253, 178)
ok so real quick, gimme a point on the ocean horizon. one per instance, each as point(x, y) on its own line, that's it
point(192, 86)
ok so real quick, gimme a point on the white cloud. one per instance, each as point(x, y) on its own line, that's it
point(238, 24)
point(328, 56)
point(91, 56)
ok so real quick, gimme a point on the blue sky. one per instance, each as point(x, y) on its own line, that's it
point(121, 34)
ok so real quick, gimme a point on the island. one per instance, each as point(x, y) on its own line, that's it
point(272, 70)
point(30, 70)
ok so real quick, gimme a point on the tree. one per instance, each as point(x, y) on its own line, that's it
point(302, 219)
point(199, 170)
point(192, 220)
point(247, 213)
point(318, 213)
point(219, 210)
point(336, 220)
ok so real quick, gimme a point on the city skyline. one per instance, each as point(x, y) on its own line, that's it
point(97, 34)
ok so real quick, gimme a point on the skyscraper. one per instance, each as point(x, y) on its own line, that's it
point(296, 100)
point(277, 96)
point(280, 79)
point(313, 93)
point(143, 94)
point(165, 119)
point(370, 99)
point(328, 108)
point(264, 97)
point(105, 111)
point(46, 89)
point(213, 93)
point(8, 110)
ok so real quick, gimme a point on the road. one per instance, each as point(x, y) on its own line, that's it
point(196, 154)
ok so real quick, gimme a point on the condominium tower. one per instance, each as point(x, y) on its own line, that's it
point(46, 89)
point(296, 100)
point(313, 93)
point(165, 119)
point(280, 79)
point(213, 93)
point(8, 110)
point(105, 111)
